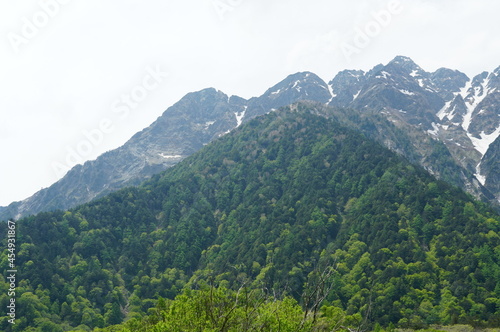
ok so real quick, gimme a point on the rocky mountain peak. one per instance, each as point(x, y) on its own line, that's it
point(407, 65)
point(494, 80)
point(346, 86)
point(295, 87)
point(445, 106)
point(478, 80)
point(496, 72)
point(299, 83)
point(449, 81)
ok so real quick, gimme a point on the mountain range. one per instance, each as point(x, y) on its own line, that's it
point(295, 211)
point(444, 121)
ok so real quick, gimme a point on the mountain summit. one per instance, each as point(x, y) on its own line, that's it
point(460, 113)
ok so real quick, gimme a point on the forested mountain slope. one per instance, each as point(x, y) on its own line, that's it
point(459, 113)
point(265, 206)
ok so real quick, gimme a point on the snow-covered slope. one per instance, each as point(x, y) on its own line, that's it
point(462, 113)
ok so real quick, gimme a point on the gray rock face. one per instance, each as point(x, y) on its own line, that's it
point(446, 108)
point(485, 93)
point(448, 82)
point(490, 167)
point(464, 114)
point(346, 87)
point(183, 129)
point(296, 87)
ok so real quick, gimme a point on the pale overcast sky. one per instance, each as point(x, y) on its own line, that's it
point(67, 66)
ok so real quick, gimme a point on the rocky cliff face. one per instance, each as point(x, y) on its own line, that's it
point(296, 87)
point(490, 167)
point(443, 120)
point(183, 129)
point(462, 113)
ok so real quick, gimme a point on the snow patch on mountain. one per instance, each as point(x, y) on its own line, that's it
point(383, 74)
point(468, 116)
point(443, 111)
point(298, 88)
point(356, 95)
point(356, 75)
point(239, 116)
point(208, 124)
point(173, 156)
point(479, 177)
point(406, 92)
point(482, 144)
point(435, 129)
point(333, 94)
point(472, 99)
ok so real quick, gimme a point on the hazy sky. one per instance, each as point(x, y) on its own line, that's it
point(78, 78)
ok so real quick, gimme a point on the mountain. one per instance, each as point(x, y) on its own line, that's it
point(183, 129)
point(296, 87)
point(268, 206)
point(460, 114)
point(398, 87)
point(490, 167)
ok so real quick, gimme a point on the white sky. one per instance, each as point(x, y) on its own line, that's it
point(69, 73)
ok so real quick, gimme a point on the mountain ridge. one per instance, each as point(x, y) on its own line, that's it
point(458, 111)
point(263, 206)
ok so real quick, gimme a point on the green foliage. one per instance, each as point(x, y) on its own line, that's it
point(220, 309)
point(283, 197)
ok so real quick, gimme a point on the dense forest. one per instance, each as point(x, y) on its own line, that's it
point(291, 222)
